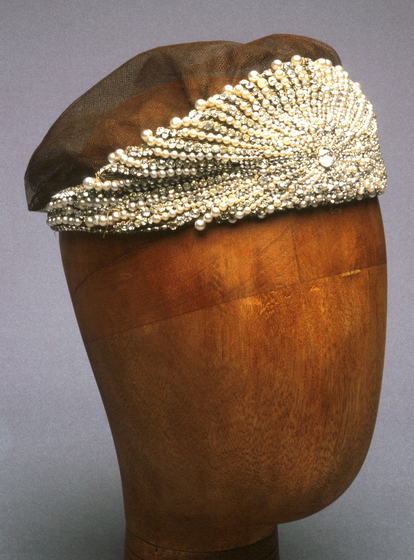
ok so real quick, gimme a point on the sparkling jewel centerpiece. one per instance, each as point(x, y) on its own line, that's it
point(325, 157)
point(300, 134)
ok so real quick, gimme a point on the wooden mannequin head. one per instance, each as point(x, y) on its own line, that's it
point(240, 367)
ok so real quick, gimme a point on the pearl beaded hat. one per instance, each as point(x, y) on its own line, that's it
point(276, 135)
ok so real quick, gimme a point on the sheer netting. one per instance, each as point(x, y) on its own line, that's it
point(146, 92)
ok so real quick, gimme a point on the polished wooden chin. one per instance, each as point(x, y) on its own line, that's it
point(240, 369)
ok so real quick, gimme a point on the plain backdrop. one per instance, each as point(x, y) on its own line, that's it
point(61, 495)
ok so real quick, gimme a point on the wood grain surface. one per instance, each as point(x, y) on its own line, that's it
point(240, 369)
point(265, 549)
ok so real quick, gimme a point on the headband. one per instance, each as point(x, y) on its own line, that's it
point(297, 135)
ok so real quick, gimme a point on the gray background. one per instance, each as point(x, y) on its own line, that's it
point(61, 495)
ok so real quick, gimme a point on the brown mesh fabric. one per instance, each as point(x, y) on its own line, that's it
point(146, 92)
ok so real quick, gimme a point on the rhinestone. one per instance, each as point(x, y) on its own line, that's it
point(325, 157)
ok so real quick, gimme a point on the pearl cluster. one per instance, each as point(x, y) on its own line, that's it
point(300, 134)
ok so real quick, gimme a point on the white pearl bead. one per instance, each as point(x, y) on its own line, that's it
point(200, 104)
point(253, 75)
point(112, 158)
point(277, 64)
point(146, 134)
point(200, 224)
point(208, 218)
point(175, 122)
point(88, 182)
point(296, 60)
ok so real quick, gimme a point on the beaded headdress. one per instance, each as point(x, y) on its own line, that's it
point(297, 135)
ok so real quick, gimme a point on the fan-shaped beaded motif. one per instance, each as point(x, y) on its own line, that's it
point(301, 134)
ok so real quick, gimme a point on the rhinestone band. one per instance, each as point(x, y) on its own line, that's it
point(300, 134)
